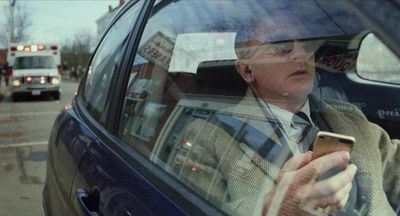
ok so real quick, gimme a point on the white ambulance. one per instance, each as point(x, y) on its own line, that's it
point(34, 69)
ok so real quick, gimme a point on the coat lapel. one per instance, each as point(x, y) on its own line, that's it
point(338, 123)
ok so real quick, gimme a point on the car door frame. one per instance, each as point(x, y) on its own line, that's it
point(176, 191)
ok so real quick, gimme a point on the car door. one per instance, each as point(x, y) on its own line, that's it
point(113, 178)
point(174, 70)
point(105, 62)
point(69, 140)
point(107, 182)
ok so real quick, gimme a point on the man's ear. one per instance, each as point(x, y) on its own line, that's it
point(243, 69)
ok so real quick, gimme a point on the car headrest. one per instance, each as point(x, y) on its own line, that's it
point(220, 77)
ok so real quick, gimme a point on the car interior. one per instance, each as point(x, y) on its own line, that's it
point(169, 101)
point(219, 79)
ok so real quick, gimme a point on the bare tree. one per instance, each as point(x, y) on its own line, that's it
point(17, 23)
point(77, 52)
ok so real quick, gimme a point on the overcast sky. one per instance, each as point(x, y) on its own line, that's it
point(54, 21)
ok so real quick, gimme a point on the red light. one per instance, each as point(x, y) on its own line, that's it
point(13, 48)
point(41, 47)
point(42, 78)
point(29, 79)
point(54, 47)
point(27, 48)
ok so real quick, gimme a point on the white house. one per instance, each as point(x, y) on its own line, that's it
point(103, 21)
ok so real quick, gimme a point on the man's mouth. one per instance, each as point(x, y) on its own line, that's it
point(300, 72)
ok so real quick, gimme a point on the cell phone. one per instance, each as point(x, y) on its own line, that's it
point(328, 142)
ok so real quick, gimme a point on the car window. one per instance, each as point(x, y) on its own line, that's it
point(106, 62)
point(377, 62)
point(207, 96)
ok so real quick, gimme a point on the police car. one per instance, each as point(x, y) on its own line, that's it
point(34, 69)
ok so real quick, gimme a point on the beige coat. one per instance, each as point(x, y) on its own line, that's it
point(235, 178)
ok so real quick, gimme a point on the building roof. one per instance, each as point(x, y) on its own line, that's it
point(110, 11)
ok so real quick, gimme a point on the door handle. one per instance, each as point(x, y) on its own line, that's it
point(89, 202)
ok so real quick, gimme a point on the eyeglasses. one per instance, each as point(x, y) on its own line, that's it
point(308, 46)
point(283, 48)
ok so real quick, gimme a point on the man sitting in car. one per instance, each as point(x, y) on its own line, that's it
point(267, 166)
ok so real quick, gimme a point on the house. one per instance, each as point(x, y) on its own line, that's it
point(103, 21)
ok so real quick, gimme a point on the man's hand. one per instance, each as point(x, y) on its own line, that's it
point(297, 190)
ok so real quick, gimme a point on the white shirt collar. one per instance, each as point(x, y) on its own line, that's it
point(284, 116)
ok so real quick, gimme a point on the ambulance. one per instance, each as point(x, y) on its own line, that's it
point(34, 69)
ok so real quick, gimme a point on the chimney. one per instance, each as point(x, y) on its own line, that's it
point(121, 2)
point(109, 8)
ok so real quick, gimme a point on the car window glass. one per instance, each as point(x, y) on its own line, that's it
point(377, 62)
point(198, 101)
point(106, 62)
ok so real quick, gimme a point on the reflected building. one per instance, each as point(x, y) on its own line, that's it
point(103, 21)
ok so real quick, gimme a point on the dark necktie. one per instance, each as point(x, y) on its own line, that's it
point(302, 122)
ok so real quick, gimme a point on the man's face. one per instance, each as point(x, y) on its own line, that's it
point(281, 70)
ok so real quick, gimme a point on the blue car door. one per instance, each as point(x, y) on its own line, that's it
point(112, 179)
point(106, 185)
point(68, 142)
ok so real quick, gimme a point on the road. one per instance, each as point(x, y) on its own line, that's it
point(24, 131)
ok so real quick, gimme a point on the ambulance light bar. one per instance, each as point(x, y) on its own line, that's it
point(32, 48)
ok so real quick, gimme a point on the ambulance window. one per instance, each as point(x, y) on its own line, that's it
point(34, 62)
point(106, 62)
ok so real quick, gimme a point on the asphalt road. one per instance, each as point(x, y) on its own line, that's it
point(24, 131)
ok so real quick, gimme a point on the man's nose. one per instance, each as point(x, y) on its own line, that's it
point(299, 53)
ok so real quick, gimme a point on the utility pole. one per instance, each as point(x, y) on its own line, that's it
point(11, 37)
